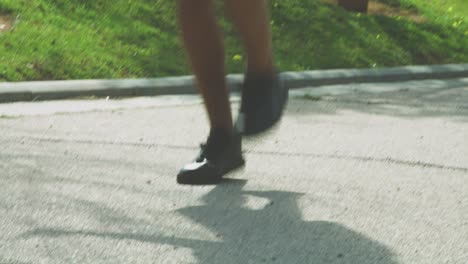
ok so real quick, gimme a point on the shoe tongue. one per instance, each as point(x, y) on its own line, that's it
point(217, 141)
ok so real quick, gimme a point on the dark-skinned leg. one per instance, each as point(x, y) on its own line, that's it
point(263, 94)
point(251, 18)
point(203, 42)
point(202, 39)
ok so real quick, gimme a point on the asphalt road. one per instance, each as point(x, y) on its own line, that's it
point(374, 173)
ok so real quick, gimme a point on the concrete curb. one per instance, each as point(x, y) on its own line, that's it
point(52, 90)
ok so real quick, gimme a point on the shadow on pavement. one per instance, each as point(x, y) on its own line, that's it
point(273, 233)
point(421, 99)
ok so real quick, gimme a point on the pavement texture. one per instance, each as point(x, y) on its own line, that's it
point(362, 173)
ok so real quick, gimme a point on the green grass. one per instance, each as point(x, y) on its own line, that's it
point(61, 39)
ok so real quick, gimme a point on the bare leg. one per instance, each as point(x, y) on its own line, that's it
point(205, 48)
point(203, 42)
point(251, 19)
point(263, 94)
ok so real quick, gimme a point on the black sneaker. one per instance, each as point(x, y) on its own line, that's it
point(221, 154)
point(263, 102)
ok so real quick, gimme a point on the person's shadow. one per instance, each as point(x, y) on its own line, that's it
point(273, 233)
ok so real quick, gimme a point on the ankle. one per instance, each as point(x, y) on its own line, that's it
point(265, 75)
point(265, 71)
point(220, 135)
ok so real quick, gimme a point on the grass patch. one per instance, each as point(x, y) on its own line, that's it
point(60, 39)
